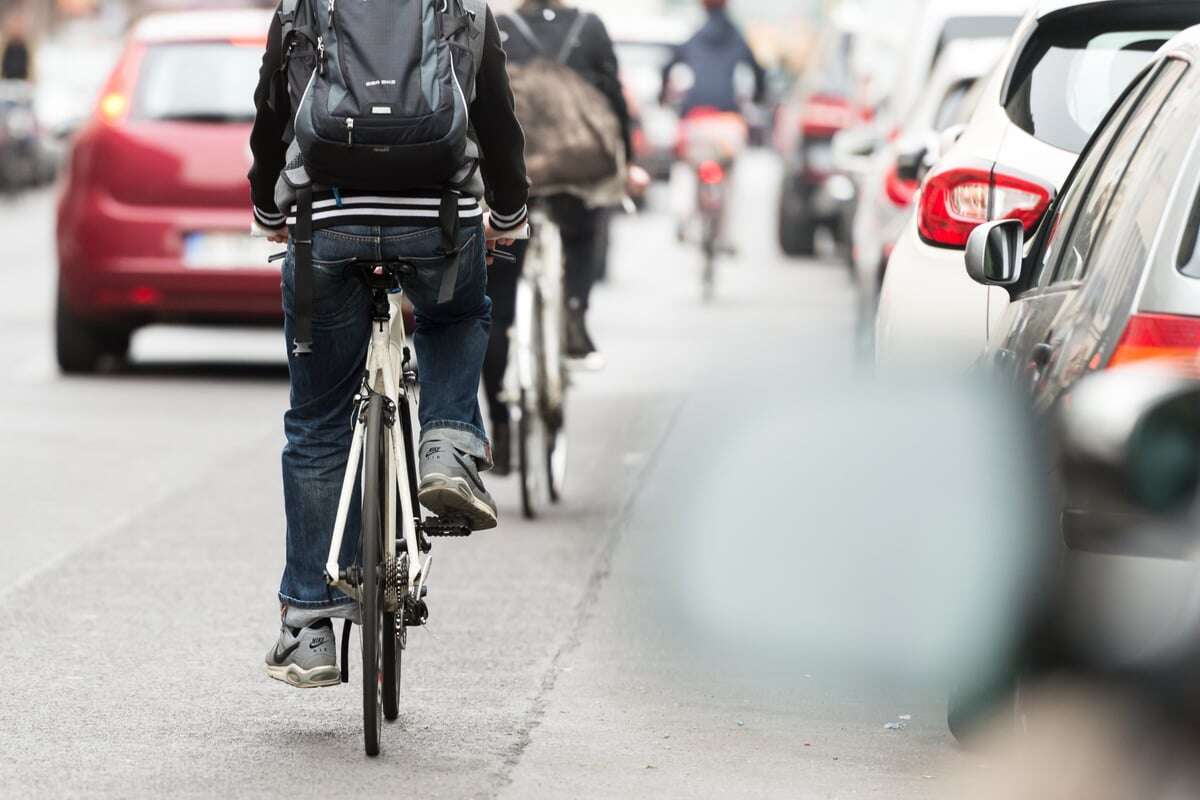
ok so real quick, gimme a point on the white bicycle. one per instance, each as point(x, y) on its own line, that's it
point(536, 380)
point(388, 578)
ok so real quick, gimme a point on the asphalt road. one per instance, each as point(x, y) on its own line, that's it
point(143, 538)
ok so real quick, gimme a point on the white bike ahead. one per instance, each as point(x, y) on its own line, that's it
point(389, 575)
point(536, 381)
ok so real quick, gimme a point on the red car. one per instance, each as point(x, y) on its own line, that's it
point(154, 217)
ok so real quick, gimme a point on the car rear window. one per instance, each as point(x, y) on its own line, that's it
point(957, 28)
point(201, 82)
point(1072, 71)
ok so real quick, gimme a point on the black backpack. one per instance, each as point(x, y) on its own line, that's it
point(381, 89)
point(380, 93)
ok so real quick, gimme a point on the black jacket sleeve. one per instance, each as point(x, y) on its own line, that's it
point(608, 76)
point(501, 139)
point(266, 139)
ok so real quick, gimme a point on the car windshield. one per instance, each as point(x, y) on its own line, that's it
point(1068, 79)
point(831, 70)
point(201, 82)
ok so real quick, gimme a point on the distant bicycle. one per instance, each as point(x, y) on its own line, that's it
point(388, 578)
point(537, 379)
point(710, 142)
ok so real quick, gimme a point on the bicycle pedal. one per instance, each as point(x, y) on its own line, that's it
point(417, 614)
point(446, 528)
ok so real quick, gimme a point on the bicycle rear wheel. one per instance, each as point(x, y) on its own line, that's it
point(531, 429)
point(373, 576)
point(395, 634)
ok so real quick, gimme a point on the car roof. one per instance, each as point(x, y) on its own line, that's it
point(1186, 42)
point(199, 26)
point(1045, 8)
point(948, 9)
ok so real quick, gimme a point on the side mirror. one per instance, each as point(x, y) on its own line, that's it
point(853, 148)
point(910, 163)
point(916, 156)
point(995, 252)
point(1134, 432)
point(949, 137)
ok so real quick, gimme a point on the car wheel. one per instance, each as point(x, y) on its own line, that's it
point(81, 345)
point(797, 231)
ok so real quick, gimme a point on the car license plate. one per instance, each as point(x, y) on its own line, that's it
point(228, 251)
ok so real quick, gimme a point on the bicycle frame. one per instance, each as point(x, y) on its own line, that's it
point(385, 363)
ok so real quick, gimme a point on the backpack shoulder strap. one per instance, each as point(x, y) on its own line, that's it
point(522, 27)
point(287, 16)
point(572, 40)
point(477, 11)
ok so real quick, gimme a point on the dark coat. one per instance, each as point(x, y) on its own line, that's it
point(593, 57)
point(713, 55)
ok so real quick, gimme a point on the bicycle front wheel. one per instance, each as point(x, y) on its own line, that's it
point(373, 576)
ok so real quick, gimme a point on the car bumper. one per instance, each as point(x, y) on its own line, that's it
point(123, 262)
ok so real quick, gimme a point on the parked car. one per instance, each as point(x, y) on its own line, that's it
point(1067, 63)
point(826, 100)
point(1113, 276)
point(932, 26)
point(23, 158)
point(152, 218)
point(890, 182)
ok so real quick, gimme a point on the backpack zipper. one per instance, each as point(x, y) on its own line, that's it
point(349, 131)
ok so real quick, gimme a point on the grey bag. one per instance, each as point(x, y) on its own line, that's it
point(381, 90)
point(573, 140)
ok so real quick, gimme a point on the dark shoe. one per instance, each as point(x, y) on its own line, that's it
point(451, 487)
point(579, 342)
point(501, 449)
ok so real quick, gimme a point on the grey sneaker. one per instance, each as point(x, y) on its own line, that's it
point(305, 657)
point(451, 487)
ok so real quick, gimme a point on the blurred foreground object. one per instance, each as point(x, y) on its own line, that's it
point(1106, 710)
point(893, 531)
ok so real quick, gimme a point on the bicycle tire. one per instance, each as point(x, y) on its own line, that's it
point(396, 643)
point(531, 431)
point(372, 585)
point(556, 462)
point(525, 449)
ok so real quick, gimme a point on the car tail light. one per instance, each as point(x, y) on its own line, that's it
point(113, 107)
point(711, 173)
point(955, 202)
point(1151, 336)
point(824, 115)
point(899, 191)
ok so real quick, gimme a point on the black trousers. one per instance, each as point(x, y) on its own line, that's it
point(580, 228)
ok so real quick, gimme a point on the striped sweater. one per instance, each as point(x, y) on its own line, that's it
point(505, 186)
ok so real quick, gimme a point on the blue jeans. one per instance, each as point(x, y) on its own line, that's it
point(450, 340)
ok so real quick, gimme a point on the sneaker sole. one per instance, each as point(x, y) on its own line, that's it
point(301, 678)
point(449, 497)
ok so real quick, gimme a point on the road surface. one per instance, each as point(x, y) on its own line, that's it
point(143, 539)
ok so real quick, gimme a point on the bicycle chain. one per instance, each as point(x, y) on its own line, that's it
point(398, 577)
point(391, 595)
